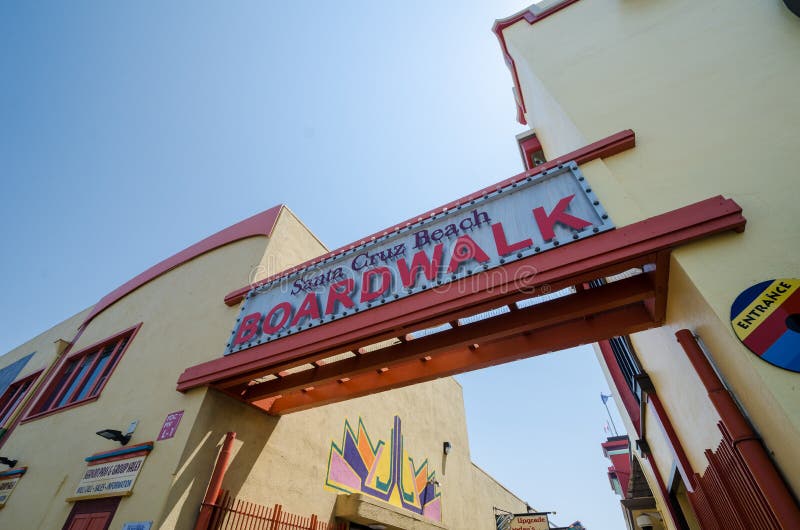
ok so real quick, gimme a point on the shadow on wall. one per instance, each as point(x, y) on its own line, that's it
point(218, 415)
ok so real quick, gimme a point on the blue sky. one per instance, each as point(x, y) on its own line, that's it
point(130, 131)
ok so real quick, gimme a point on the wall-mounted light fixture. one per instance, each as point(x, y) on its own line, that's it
point(8, 461)
point(117, 436)
point(446, 446)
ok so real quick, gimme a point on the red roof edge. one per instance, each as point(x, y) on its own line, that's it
point(261, 224)
point(532, 18)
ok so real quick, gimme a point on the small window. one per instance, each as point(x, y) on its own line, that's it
point(84, 374)
point(13, 396)
point(531, 150)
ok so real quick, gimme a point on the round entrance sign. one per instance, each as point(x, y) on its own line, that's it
point(766, 318)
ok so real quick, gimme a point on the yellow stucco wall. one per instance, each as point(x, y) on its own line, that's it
point(284, 460)
point(184, 322)
point(277, 460)
point(710, 90)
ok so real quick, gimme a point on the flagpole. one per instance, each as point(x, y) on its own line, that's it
point(605, 404)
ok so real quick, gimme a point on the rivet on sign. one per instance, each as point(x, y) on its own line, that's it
point(536, 249)
point(595, 229)
point(605, 216)
point(519, 254)
point(555, 242)
point(574, 236)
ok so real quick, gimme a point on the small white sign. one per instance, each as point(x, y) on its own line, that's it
point(530, 522)
point(109, 479)
point(138, 525)
point(7, 486)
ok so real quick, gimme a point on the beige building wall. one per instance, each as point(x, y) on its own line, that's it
point(184, 321)
point(284, 460)
point(710, 90)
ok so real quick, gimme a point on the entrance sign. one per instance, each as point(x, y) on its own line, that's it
point(109, 479)
point(766, 318)
point(528, 217)
point(534, 521)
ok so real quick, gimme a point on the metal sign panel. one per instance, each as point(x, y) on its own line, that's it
point(115, 478)
point(7, 486)
point(533, 521)
point(522, 219)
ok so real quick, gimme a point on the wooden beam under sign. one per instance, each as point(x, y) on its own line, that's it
point(585, 304)
point(625, 320)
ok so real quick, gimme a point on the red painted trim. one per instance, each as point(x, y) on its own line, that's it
point(744, 439)
point(42, 386)
point(48, 388)
point(498, 28)
point(146, 448)
point(621, 387)
point(664, 493)
point(260, 224)
point(528, 146)
point(581, 261)
point(681, 460)
point(12, 397)
point(608, 146)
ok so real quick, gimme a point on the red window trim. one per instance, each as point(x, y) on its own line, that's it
point(625, 394)
point(34, 413)
point(20, 402)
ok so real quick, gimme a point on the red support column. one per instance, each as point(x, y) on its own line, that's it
point(215, 484)
point(745, 440)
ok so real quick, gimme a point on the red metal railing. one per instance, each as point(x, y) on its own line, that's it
point(229, 513)
point(726, 495)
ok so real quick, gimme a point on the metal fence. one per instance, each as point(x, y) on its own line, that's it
point(230, 513)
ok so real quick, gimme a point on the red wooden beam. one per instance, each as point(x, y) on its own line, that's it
point(610, 296)
point(629, 319)
point(579, 261)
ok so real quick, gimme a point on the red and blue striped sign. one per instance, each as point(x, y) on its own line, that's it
point(766, 318)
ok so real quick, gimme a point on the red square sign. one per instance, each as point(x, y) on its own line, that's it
point(171, 423)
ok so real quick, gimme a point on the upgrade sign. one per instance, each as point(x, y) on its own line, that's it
point(531, 216)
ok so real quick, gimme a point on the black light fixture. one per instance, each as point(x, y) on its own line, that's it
point(8, 461)
point(446, 446)
point(115, 435)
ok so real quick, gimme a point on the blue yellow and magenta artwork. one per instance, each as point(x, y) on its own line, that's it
point(384, 472)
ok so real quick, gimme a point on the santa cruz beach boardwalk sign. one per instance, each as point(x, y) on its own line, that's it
point(522, 219)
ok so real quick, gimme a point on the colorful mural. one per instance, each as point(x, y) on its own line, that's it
point(384, 472)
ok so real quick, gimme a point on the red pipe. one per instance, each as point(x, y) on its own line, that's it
point(745, 440)
point(215, 484)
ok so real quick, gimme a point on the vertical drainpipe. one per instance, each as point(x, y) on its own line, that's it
point(745, 440)
point(215, 484)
